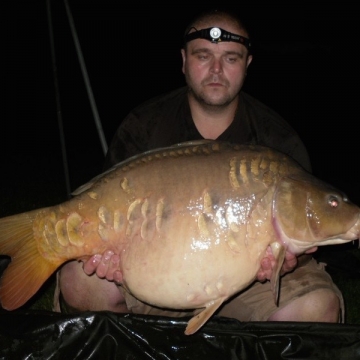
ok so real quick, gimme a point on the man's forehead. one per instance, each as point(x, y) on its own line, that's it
point(202, 45)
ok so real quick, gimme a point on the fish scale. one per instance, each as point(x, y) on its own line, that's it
point(191, 224)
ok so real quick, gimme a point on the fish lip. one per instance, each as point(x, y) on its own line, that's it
point(357, 225)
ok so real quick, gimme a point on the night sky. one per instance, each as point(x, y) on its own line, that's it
point(304, 68)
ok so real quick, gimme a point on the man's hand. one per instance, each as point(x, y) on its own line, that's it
point(105, 266)
point(268, 263)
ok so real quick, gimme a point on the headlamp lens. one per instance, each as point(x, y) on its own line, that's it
point(215, 33)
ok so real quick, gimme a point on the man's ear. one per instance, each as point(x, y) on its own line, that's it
point(183, 55)
point(248, 61)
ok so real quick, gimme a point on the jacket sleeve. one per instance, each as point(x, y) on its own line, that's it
point(128, 140)
point(270, 129)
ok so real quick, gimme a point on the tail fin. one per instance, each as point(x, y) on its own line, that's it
point(28, 270)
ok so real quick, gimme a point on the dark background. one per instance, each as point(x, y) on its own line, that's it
point(304, 67)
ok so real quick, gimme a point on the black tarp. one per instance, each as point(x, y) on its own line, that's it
point(105, 335)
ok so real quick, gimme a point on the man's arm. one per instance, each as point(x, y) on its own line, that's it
point(128, 140)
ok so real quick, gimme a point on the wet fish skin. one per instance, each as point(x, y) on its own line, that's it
point(191, 224)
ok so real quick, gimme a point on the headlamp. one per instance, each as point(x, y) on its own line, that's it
point(216, 35)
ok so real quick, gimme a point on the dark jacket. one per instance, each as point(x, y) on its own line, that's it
point(166, 120)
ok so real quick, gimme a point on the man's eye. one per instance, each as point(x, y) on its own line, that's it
point(203, 57)
point(232, 59)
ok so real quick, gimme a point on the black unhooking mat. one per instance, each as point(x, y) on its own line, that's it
point(105, 335)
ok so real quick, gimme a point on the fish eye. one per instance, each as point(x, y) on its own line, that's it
point(333, 201)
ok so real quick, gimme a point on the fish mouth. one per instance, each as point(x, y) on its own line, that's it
point(354, 232)
point(357, 226)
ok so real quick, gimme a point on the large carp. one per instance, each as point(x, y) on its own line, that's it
point(191, 224)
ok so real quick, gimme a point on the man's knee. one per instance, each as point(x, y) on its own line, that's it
point(317, 306)
point(82, 292)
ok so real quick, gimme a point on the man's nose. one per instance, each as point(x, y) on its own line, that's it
point(216, 66)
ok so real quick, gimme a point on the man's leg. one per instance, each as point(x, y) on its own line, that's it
point(306, 294)
point(318, 306)
point(81, 292)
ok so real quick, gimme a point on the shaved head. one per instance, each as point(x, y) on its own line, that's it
point(214, 18)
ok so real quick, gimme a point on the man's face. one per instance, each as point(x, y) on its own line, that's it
point(215, 73)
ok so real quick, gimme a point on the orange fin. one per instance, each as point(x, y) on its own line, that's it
point(28, 270)
point(279, 254)
point(196, 322)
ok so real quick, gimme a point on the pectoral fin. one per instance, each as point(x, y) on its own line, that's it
point(200, 319)
point(279, 254)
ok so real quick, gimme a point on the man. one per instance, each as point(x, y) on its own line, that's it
point(216, 56)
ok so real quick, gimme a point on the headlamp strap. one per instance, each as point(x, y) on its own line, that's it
point(216, 35)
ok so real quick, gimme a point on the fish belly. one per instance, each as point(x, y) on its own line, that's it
point(184, 270)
